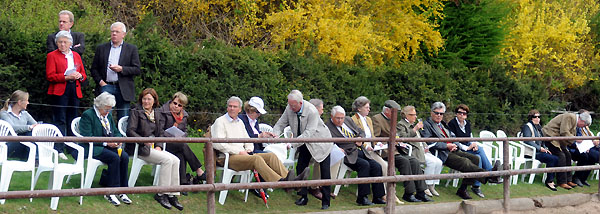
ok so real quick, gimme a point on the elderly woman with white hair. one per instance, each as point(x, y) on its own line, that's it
point(97, 122)
point(64, 72)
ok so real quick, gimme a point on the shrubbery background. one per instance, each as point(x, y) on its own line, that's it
point(210, 71)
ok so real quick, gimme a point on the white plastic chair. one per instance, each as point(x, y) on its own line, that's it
point(291, 160)
point(531, 162)
point(48, 161)
point(246, 177)
point(138, 163)
point(92, 164)
point(517, 154)
point(10, 166)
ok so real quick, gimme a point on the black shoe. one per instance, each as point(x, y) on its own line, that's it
point(578, 182)
point(551, 187)
point(410, 198)
point(163, 200)
point(199, 179)
point(324, 207)
point(290, 176)
point(478, 192)
point(256, 192)
point(463, 194)
point(363, 201)
point(184, 193)
point(493, 180)
point(585, 183)
point(301, 201)
point(424, 198)
point(174, 202)
point(378, 201)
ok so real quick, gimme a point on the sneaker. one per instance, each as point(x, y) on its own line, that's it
point(62, 156)
point(125, 199)
point(112, 199)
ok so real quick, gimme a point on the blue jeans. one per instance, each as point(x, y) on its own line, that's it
point(116, 175)
point(550, 161)
point(122, 106)
point(484, 162)
point(64, 111)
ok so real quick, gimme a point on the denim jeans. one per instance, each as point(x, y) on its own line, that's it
point(484, 162)
point(122, 106)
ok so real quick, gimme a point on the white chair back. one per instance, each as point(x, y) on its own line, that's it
point(263, 127)
point(122, 125)
point(75, 127)
point(5, 130)
point(46, 130)
point(287, 132)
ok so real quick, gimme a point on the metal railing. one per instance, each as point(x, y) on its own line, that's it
point(211, 187)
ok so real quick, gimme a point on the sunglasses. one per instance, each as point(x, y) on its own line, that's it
point(536, 116)
point(462, 112)
point(177, 104)
point(439, 113)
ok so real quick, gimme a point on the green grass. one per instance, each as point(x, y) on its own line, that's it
point(280, 201)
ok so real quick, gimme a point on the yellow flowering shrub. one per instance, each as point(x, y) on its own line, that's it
point(550, 40)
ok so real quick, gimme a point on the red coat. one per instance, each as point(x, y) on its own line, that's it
point(56, 64)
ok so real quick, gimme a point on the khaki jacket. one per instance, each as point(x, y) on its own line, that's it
point(561, 126)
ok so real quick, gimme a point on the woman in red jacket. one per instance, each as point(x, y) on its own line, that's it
point(64, 71)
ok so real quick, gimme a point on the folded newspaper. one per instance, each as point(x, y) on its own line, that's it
point(175, 131)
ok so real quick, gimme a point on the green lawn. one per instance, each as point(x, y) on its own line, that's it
point(280, 201)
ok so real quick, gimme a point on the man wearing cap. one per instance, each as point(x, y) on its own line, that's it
point(240, 154)
point(405, 164)
point(305, 122)
point(449, 152)
point(65, 22)
point(253, 109)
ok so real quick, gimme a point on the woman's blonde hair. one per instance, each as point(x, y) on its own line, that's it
point(14, 98)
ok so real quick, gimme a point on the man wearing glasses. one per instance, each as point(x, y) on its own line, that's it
point(449, 152)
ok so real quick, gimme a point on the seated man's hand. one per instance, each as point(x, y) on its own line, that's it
point(451, 147)
point(243, 153)
point(112, 145)
point(473, 146)
point(403, 145)
point(266, 135)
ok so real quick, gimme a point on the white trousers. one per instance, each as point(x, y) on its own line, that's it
point(169, 167)
point(433, 167)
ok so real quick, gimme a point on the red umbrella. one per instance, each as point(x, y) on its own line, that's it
point(262, 192)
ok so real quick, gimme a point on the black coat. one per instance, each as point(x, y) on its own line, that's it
point(129, 60)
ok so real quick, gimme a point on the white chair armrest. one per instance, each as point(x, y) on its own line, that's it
point(53, 151)
point(226, 163)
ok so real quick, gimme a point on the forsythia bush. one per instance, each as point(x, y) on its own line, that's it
point(550, 41)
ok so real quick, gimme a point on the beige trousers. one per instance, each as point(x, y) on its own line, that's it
point(169, 168)
point(266, 164)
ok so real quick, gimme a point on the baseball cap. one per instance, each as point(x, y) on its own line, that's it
point(257, 103)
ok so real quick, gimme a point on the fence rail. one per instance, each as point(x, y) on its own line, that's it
point(212, 187)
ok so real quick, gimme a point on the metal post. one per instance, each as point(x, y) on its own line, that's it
point(390, 206)
point(210, 178)
point(506, 166)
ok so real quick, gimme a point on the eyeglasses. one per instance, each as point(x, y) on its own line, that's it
point(439, 113)
point(462, 112)
point(536, 116)
point(177, 104)
point(412, 114)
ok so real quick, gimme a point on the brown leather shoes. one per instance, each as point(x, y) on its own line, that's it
point(565, 186)
point(571, 184)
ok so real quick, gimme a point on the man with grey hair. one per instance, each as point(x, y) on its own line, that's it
point(305, 122)
point(449, 152)
point(65, 22)
point(115, 65)
point(564, 125)
point(240, 154)
point(357, 158)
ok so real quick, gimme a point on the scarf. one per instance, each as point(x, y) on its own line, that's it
point(178, 118)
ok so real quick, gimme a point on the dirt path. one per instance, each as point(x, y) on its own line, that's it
point(591, 207)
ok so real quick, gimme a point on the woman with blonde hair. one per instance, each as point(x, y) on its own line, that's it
point(14, 112)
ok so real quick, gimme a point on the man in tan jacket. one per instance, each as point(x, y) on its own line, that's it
point(564, 125)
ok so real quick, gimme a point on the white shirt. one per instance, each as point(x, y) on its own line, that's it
point(70, 63)
point(252, 124)
point(365, 126)
point(113, 59)
point(461, 126)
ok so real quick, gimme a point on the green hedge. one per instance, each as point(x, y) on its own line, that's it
point(210, 72)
